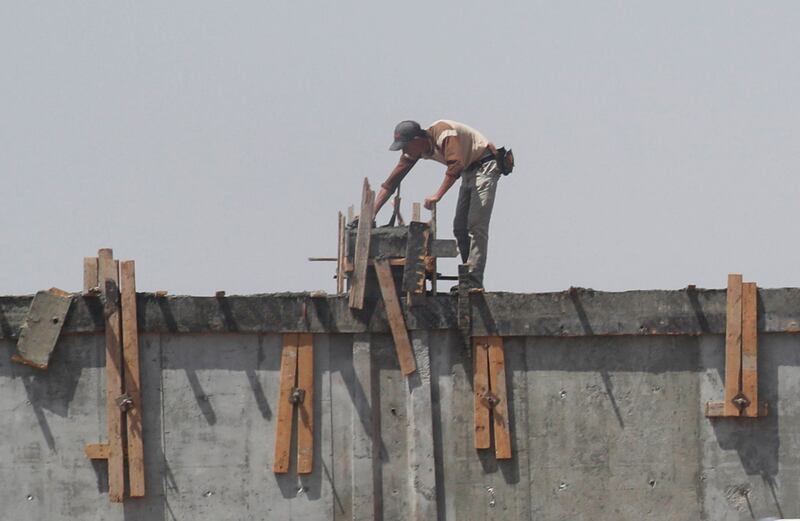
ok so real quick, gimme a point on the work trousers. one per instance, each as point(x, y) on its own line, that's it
point(473, 213)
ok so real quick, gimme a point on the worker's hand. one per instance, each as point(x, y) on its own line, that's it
point(430, 201)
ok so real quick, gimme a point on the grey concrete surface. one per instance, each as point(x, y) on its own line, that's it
point(602, 428)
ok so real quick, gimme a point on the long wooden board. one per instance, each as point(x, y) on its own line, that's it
point(416, 254)
point(305, 420)
point(402, 343)
point(480, 387)
point(283, 427)
point(358, 279)
point(497, 384)
point(750, 347)
point(108, 277)
point(340, 256)
point(132, 376)
point(89, 273)
point(733, 343)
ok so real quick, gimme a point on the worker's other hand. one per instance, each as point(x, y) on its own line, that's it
point(430, 201)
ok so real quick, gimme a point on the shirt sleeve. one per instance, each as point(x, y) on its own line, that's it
point(453, 156)
point(404, 165)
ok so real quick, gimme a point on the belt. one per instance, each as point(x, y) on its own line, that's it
point(485, 158)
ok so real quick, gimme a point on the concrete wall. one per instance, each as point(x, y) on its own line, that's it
point(603, 428)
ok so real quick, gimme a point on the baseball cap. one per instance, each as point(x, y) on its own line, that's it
point(404, 132)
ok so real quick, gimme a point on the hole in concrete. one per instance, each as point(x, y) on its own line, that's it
point(393, 411)
point(208, 493)
point(563, 394)
point(55, 320)
point(562, 486)
point(29, 497)
point(652, 483)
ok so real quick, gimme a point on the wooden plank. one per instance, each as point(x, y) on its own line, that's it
point(733, 343)
point(108, 276)
point(716, 409)
point(397, 323)
point(434, 273)
point(361, 252)
point(39, 333)
point(283, 427)
point(350, 214)
point(132, 377)
point(497, 385)
point(416, 212)
point(96, 450)
point(89, 273)
point(416, 254)
point(305, 421)
point(750, 347)
point(340, 256)
point(480, 387)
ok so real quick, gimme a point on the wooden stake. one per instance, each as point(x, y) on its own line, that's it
point(108, 276)
point(416, 212)
point(434, 274)
point(283, 427)
point(130, 353)
point(750, 348)
point(89, 273)
point(402, 343)
point(733, 343)
point(360, 256)
point(340, 256)
point(497, 384)
point(480, 387)
point(305, 422)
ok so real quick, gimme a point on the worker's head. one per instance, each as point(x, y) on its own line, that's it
point(410, 137)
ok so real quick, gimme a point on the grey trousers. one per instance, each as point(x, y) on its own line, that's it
point(473, 213)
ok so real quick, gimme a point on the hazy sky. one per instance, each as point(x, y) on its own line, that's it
point(214, 142)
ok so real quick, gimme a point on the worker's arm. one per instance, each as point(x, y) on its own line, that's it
point(403, 167)
point(451, 148)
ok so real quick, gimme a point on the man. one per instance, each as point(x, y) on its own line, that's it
point(468, 155)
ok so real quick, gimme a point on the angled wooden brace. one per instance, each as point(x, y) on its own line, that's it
point(741, 354)
point(358, 278)
point(402, 343)
point(491, 403)
point(296, 391)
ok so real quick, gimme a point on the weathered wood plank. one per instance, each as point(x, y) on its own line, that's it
point(340, 256)
point(108, 276)
point(39, 334)
point(480, 378)
point(96, 450)
point(416, 212)
point(283, 425)
point(733, 343)
point(402, 344)
point(416, 253)
point(305, 421)
point(132, 376)
point(750, 348)
point(89, 273)
point(716, 409)
point(497, 384)
point(358, 278)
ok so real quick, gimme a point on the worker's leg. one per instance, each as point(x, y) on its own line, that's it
point(480, 213)
point(460, 228)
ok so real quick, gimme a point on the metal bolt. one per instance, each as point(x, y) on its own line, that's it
point(124, 402)
point(298, 395)
point(741, 401)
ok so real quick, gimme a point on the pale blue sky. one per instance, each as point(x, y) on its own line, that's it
point(214, 142)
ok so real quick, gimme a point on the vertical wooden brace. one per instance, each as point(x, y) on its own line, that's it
point(491, 398)
point(750, 348)
point(108, 276)
point(132, 377)
point(305, 421)
point(733, 343)
point(361, 254)
point(283, 426)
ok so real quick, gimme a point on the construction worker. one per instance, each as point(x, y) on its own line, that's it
point(468, 155)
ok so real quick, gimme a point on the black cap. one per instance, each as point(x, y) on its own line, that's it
point(404, 132)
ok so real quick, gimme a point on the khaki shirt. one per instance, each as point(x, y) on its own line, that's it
point(454, 144)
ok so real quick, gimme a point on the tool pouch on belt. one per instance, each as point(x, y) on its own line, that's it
point(505, 160)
